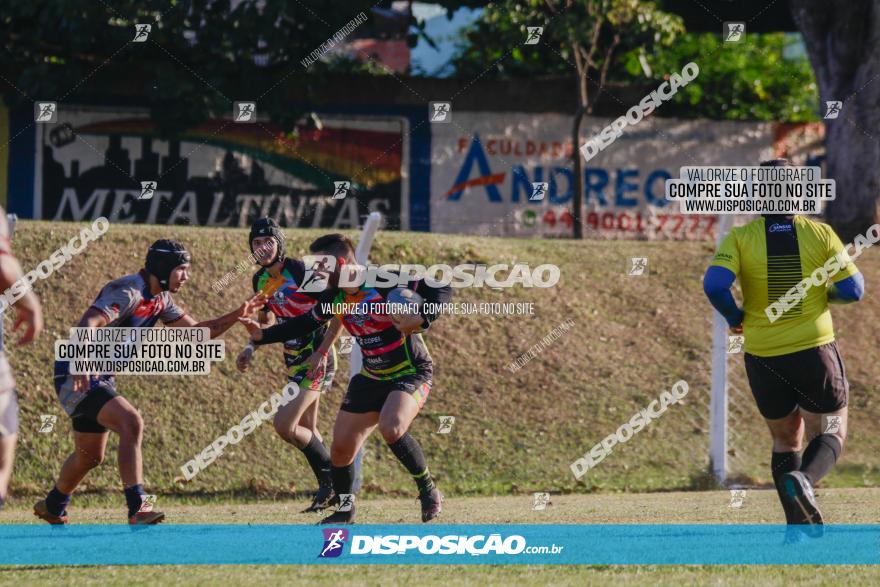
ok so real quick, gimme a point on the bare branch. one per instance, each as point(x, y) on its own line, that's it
point(603, 74)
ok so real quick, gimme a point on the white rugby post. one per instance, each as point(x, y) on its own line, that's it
point(362, 255)
point(718, 399)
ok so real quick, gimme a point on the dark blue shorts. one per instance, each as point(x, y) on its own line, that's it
point(83, 408)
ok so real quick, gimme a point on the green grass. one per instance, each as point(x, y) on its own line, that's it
point(444, 576)
point(514, 433)
point(840, 506)
point(760, 507)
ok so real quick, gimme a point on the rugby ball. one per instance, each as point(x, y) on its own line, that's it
point(404, 302)
point(409, 302)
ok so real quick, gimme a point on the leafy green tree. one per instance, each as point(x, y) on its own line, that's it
point(747, 81)
point(750, 80)
point(199, 57)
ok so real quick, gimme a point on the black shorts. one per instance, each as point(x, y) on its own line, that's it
point(366, 394)
point(84, 412)
point(813, 379)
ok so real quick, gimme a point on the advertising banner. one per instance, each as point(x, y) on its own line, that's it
point(486, 168)
point(111, 162)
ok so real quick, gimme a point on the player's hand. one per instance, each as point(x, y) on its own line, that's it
point(81, 383)
point(31, 315)
point(407, 323)
point(252, 305)
point(738, 329)
point(253, 328)
point(243, 360)
point(317, 363)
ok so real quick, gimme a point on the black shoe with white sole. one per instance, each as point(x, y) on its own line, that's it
point(432, 504)
point(802, 499)
point(323, 499)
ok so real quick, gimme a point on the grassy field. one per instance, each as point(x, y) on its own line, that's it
point(839, 506)
point(514, 433)
point(444, 576)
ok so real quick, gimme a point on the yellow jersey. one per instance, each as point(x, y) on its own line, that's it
point(770, 257)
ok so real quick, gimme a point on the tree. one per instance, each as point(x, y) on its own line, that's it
point(199, 56)
point(589, 35)
point(747, 81)
point(841, 41)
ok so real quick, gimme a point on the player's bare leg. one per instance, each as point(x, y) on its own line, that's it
point(296, 423)
point(349, 433)
point(397, 414)
point(122, 418)
point(310, 418)
point(7, 456)
point(833, 424)
point(89, 450)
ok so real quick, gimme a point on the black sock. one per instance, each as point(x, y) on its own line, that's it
point(57, 502)
point(409, 452)
point(134, 498)
point(819, 456)
point(780, 464)
point(319, 459)
point(343, 477)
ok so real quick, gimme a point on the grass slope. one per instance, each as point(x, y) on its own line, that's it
point(514, 432)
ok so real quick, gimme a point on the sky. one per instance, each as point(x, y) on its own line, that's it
point(427, 60)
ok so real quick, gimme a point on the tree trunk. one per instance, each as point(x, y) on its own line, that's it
point(577, 200)
point(843, 42)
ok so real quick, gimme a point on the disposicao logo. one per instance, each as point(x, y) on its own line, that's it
point(334, 540)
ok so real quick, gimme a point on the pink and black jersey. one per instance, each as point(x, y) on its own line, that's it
point(289, 302)
point(387, 354)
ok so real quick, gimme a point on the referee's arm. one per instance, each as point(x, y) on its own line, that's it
point(848, 285)
point(716, 285)
point(719, 279)
point(847, 291)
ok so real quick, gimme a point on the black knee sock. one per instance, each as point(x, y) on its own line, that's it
point(57, 502)
point(343, 477)
point(819, 456)
point(409, 452)
point(780, 464)
point(134, 498)
point(319, 459)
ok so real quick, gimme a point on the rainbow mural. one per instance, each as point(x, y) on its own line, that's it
point(366, 158)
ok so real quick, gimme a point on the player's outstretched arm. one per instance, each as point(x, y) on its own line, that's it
point(293, 328)
point(220, 325)
point(716, 285)
point(243, 360)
